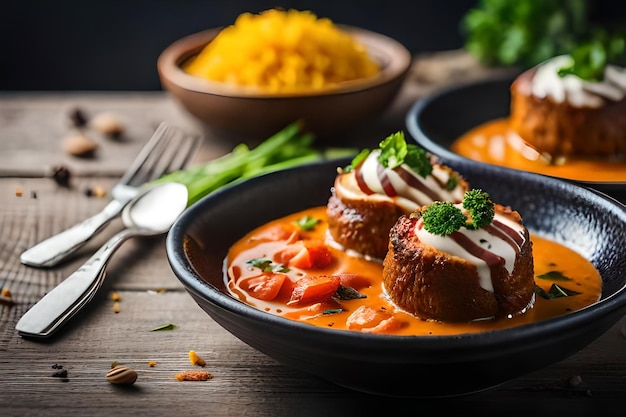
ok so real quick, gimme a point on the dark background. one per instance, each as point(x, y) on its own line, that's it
point(114, 44)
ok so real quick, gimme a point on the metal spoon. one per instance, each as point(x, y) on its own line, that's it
point(149, 214)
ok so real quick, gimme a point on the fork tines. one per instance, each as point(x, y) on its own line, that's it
point(168, 150)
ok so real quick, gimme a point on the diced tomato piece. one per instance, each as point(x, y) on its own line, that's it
point(285, 255)
point(265, 286)
point(355, 281)
point(307, 255)
point(314, 288)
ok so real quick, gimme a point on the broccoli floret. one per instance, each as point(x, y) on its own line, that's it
point(443, 218)
point(480, 207)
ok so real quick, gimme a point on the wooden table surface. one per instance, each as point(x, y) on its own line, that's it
point(246, 382)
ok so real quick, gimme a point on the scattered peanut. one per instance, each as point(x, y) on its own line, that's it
point(107, 124)
point(79, 145)
point(195, 359)
point(121, 375)
point(19, 191)
point(152, 364)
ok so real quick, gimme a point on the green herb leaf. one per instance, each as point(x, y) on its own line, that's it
point(307, 222)
point(166, 326)
point(394, 151)
point(524, 33)
point(267, 265)
point(357, 160)
point(332, 311)
point(554, 276)
point(555, 291)
point(590, 58)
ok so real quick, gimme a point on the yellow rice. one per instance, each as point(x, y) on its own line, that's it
point(283, 51)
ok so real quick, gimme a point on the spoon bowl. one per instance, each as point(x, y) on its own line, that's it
point(151, 213)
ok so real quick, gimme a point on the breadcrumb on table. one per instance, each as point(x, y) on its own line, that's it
point(193, 376)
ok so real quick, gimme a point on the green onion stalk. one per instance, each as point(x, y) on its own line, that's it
point(288, 148)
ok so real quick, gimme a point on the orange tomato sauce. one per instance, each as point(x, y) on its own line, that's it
point(367, 276)
point(496, 143)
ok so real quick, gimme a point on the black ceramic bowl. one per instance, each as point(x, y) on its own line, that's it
point(410, 366)
point(436, 121)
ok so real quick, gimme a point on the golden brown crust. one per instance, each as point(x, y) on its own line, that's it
point(362, 225)
point(434, 285)
point(560, 129)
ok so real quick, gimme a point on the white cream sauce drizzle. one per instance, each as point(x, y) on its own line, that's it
point(481, 238)
point(577, 92)
point(408, 198)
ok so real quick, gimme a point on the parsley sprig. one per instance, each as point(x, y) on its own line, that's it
point(444, 218)
point(395, 151)
point(267, 265)
point(526, 33)
point(590, 58)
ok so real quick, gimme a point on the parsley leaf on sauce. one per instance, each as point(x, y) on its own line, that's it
point(307, 222)
point(266, 265)
point(555, 291)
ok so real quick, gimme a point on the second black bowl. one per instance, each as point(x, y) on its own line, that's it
point(438, 120)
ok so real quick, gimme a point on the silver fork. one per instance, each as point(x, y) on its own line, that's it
point(169, 149)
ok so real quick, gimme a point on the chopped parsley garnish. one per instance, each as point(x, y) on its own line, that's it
point(307, 222)
point(443, 218)
point(554, 276)
point(394, 151)
point(555, 291)
point(591, 58)
point(360, 157)
point(332, 311)
point(266, 265)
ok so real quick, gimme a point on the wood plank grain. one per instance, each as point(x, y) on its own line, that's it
point(245, 381)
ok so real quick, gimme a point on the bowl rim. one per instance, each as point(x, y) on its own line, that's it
point(394, 57)
point(415, 130)
point(469, 342)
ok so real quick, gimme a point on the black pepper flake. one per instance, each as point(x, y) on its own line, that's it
point(57, 366)
point(33, 195)
point(61, 175)
point(60, 374)
point(78, 117)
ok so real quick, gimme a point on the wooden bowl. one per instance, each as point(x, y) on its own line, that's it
point(326, 111)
